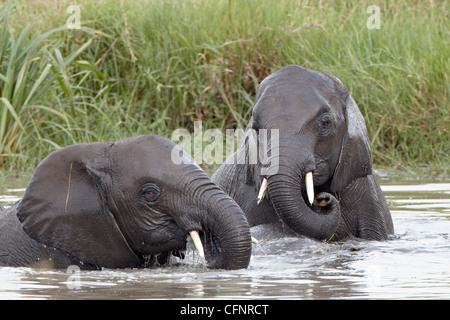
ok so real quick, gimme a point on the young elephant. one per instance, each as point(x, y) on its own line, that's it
point(123, 204)
point(321, 185)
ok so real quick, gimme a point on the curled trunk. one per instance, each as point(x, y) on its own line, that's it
point(226, 235)
point(318, 221)
point(222, 227)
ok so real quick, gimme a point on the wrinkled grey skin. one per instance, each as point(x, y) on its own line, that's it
point(117, 205)
point(321, 130)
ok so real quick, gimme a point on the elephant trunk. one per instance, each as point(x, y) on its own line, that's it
point(226, 235)
point(291, 199)
point(220, 224)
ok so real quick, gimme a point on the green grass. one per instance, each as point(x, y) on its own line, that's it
point(153, 66)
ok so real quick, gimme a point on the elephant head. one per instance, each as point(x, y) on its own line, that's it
point(118, 204)
point(322, 148)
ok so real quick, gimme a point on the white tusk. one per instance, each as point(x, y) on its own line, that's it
point(262, 191)
point(309, 187)
point(254, 241)
point(197, 243)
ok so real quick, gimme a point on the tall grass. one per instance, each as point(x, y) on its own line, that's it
point(154, 66)
point(29, 66)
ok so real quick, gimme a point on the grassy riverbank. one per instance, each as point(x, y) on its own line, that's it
point(151, 66)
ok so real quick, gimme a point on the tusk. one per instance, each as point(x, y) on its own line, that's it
point(309, 187)
point(262, 191)
point(197, 243)
point(254, 241)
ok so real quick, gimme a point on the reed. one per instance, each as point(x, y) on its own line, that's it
point(153, 66)
point(25, 76)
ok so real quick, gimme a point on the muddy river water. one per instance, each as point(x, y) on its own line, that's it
point(415, 264)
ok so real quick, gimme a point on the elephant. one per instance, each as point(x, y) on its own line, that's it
point(315, 179)
point(122, 204)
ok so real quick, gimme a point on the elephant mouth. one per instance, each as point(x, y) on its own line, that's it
point(319, 198)
point(307, 209)
point(206, 240)
point(209, 248)
point(311, 194)
point(207, 245)
point(160, 259)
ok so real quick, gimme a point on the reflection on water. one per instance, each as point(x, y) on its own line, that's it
point(415, 264)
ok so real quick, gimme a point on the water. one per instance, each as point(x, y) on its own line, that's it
point(413, 265)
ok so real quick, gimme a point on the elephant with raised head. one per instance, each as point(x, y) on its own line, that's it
point(321, 185)
point(123, 204)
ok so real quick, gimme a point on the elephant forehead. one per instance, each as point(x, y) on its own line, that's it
point(297, 76)
point(138, 161)
point(295, 94)
point(290, 103)
point(143, 158)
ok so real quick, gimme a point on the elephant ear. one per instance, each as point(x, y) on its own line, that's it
point(65, 207)
point(354, 161)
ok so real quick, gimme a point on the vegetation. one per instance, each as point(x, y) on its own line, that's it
point(152, 66)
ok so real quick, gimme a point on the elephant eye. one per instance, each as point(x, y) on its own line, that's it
point(150, 192)
point(325, 125)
